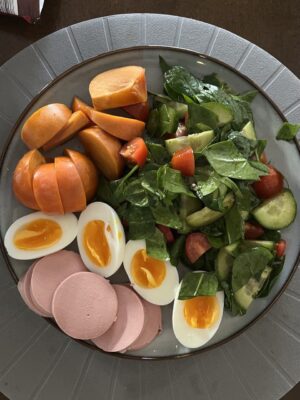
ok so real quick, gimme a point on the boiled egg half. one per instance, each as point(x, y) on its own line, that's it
point(39, 234)
point(154, 280)
point(101, 239)
point(195, 321)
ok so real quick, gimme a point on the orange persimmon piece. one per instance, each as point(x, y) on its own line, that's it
point(87, 172)
point(79, 105)
point(139, 111)
point(118, 87)
point(77, 121)
point(45, 189)
point(70, 186)
point(104, 150)
point(23, 176)
point(44, 124)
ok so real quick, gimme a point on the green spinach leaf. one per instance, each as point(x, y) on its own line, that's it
point(234, 224)
point(176, 250)
point(141, 223)
point(200, 115)
point(277, 267)
point(156, 246)
point(198, 284)
point(288, 131)
point(172, 181)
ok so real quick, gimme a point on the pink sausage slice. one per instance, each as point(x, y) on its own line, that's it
point(24, 289)
point(49, 272)
point(129, 323)
point(152, 326)
point(84, 305)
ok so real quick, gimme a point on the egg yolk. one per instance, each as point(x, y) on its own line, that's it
point(38, 234)
point(147, 272)
point(201, 311)
point(96, 244)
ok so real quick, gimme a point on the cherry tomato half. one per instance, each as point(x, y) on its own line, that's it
point(184, 161)
point(253, 231)
point(196, 245)
point(135, 151)
point(269, 185)
point(167, 233)
point(280, 248)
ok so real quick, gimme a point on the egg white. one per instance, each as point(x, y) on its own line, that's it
point(115, 238)
point(161, 295)
point(193, 337)
point(67, 222)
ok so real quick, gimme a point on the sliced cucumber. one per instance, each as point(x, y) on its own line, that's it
point(277, 212)
point(246, 294)
point(197, 141)
point(207, 216)
point(223, 113)
point(248, 131)
point(267, 244)
point(245, 214)
point(224, 262)
point(188, 205)
point(231, 248)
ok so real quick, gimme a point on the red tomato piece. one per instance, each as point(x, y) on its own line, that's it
point(269, 185)
point(253, 230)
point(184, 161)
point(280, 248)
point(139, 111)
point(135, 151)
point(167, 233)
point(196, 245)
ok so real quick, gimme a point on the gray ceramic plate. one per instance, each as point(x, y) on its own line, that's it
point(268, 119)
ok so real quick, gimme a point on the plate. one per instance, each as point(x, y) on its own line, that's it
point(268, 119)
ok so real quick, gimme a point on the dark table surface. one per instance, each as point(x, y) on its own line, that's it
point(273, 25)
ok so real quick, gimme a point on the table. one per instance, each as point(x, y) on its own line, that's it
point(276, 29)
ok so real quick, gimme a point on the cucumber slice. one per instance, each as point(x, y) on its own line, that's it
point(223, 113)
point(267, 244)
point(231, 248)
point(246, 294)
point(224, 262)
point(245, 214)
point(207, 216)
point(248, 131)
point(197, 141)
point(188, 205)
point(277, 212)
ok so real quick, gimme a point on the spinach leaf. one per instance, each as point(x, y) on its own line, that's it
point(153, 122)
point(226, 160)
point(244, 145)
point(217, 242)
point(274, 236)
point(207, 181)
point(260, 147)
point(141, 223)
point(248, 199)
point(215, 200)
point(249, 264)
point(230, 303)
point(168, 120)
point(150, 183)
point(166, 215)
point(232, 186)
point(176, 250)
point(164, 66)
point(249, 96)
point(156, 246)
point(277, 267)
point(158, 153)
point(136, 194)
point(288, 131)
point(201, 115)
point(172, 181)
point(234, 224)
point(198, 284)
point(118, 186)
point(260, 166)
point(215, 229)
point(105, 193)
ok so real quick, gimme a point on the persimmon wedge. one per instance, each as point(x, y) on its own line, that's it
point(45, 189)
point(23, 177)
point(87, 172)
point(44, 124)
point(79, 105)
point(70, 186)
point(77, 121)
point(118, 87)
point(104, 150)
point(139, 111)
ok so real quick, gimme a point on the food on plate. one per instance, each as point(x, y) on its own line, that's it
point(269, 185)
point(23, 177)
point(104, 150)
point(84, 305)
point(184, 161)
point(87, 172)
point(70, 185)
point(135, 151)
point(128, 325)
point(77, 121)
point(101, 239)
point(44, 124)
point(154, 280)
point(118, 87)
point(38, 234)
point(49, 272)
point(139, 111)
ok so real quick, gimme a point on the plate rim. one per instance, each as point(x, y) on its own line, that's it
point(70, 70)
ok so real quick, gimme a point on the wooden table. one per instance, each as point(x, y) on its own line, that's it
point(269, 24)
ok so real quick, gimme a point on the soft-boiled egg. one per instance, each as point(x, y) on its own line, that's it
point(195, 321)
point(39, 234)
point(154, 280)
point(101, 239)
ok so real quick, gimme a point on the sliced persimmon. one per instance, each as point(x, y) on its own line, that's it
point(45, 189)
point(139, 111)
point(70, 186)
point(79, 105)
point(104, 150)
point(118, 87)
point(44, 124)
point(87, 172)
point(77, 121)
point(23, 176)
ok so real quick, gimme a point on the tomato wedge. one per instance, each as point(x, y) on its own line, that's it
point(135, 151)
point(184, 161)
point(269, 185)
point(196, 245)
point(253, 230)
point(280, 248)
point(167, 233)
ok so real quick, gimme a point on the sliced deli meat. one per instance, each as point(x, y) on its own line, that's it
point(84, 305)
